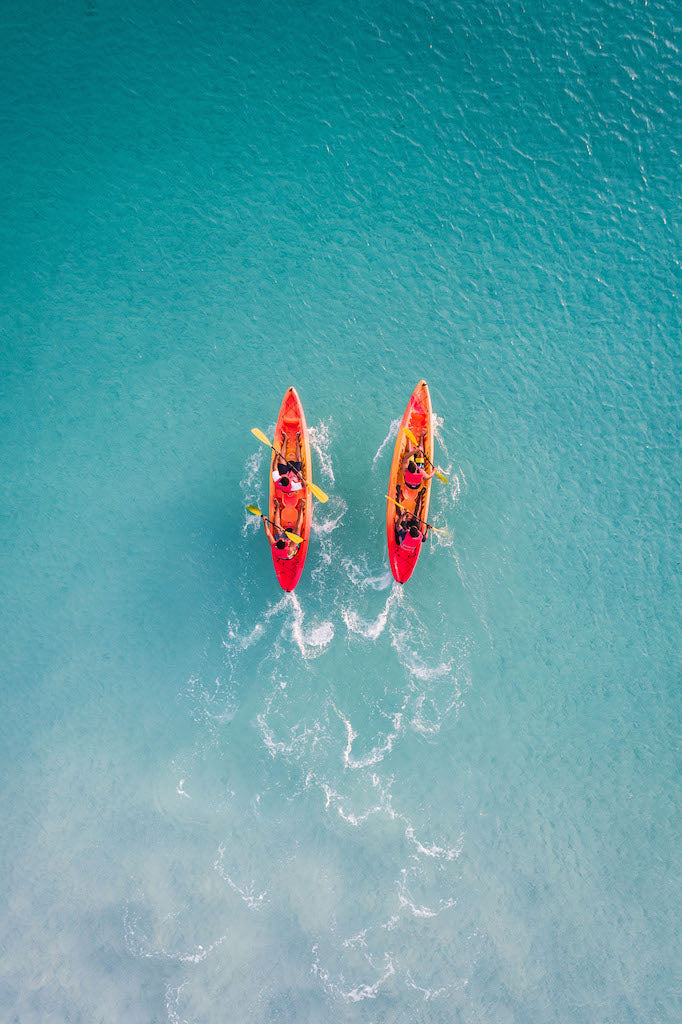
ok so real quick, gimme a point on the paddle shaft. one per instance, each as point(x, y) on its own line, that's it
point(319, 494)
point(421, 449)
point(439, 473)
point(411, 513)
point(291, 467)
point(283, 530)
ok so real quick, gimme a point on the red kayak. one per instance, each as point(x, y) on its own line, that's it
point(291, 420)
point(418, 417)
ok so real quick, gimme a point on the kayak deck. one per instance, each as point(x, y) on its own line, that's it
point(418, 416)
point(291, 419)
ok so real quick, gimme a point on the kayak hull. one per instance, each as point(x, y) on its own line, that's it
point(418, 415)
point(291, 419)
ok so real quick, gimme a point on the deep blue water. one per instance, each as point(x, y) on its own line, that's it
point(452, 801)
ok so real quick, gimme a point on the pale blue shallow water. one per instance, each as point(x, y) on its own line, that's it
point(455, 801)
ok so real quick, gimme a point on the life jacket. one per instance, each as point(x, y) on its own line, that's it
point(413, 480)
point(287, 483)
point(282, 554)
point(409, 543)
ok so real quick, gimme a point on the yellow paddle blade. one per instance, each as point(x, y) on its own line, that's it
point(320, 495)
point(261, 436)
point(254, 509)
point(294, 536)
point(413, 439)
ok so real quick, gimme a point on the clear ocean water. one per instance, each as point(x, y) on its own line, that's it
point(455, 801)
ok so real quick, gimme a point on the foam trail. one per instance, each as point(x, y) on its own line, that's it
point(302, 738)
point(423, 911)
point(236, 643)
point(428, 727)
point(251, 478)
point(312, 642)
point(364, 991)
point(212, 706)
point(173, 1002)
point(249, 896)
point(309, 641)
point(435, 851)
point(250, 486)
point(391, 436)
point(338, 510)
point(320, 442)
point(434, 993)
point(378, 752)
point(323, 529)
point(359, 576)
point(370, 630)
point(414, 663)
point(438, 422)
point(141, 946)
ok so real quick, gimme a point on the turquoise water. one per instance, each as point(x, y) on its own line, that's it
point(452, 801)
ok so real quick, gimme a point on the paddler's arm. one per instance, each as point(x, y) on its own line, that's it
point(422, 450)
point(269, 531)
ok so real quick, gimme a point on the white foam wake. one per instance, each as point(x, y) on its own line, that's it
point(310, 640)
point(391, 436)
point(413, 662)
point(379, 751)
point(405, 900)
point(320, 441)
point(140, 945)
point(250, 486)
point(373, 628)
point(340, 804)
point(326, 520)
point(362, 991)
point(370, 630)
point(313, 640)
point(359, 576)
point(248, 894)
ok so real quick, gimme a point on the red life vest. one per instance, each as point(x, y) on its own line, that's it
point(409, 543)
point(413, 480)
point(282, 554)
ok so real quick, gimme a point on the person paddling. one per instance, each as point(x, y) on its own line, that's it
point(285, 548)
point(410, 531)
point(414, 468)
point(285, 472)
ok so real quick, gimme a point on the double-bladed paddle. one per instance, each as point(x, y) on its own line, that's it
point(438, 529)
point(413, 439)
point(319, 494)
point(257, 512)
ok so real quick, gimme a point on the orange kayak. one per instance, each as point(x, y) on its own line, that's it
point(418, 417)
point(291, 420)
